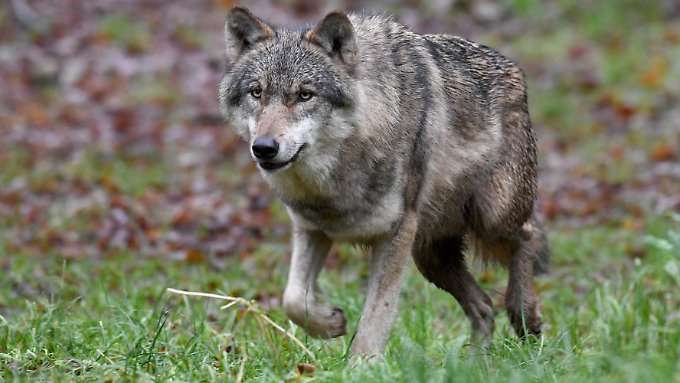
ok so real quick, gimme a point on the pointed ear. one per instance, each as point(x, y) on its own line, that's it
point(242, 30)
point(335, 34)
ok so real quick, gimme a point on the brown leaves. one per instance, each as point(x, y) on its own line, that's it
point(33, 113)
point(656, 73)
point(99, 154)
point(663, 151)
point(224, 4)
point(114, 142)
point(194, 256)
point(305, 369)
point(302, 373)
point(613, 112)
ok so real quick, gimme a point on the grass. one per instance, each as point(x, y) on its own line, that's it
point(131, 34)
point(610, 318)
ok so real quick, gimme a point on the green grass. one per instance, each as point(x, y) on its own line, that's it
point(609, 317)
point(125, 31)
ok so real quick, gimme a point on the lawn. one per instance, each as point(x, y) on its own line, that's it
point(119, 181)
point(611, 317)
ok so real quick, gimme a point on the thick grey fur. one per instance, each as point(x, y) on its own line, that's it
point(411, 145)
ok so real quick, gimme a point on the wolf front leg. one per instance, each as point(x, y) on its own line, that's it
point(310, 249)
point(388, 261)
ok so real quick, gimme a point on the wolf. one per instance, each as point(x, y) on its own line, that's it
point(412, 146)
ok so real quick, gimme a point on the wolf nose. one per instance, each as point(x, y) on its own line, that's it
point(265, 148)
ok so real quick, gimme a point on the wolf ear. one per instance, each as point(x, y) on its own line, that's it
point(335, 34)
point(242, 30)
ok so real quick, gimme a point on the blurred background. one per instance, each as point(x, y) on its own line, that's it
point(111, 140)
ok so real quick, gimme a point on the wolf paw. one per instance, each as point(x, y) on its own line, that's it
point(331, 325)
point(526, 323)
point(320, 321)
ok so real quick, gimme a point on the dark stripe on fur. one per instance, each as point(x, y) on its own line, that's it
point(420, 152)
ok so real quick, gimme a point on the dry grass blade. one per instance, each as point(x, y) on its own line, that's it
point(206, 295)
point(228, 305)
point(241, 368)
point(251, 306)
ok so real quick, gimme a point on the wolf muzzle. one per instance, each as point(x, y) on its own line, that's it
point(265, 148)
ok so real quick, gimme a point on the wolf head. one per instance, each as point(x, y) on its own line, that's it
point(289, 93)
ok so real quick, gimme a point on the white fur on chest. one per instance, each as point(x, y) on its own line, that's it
point(357, 228)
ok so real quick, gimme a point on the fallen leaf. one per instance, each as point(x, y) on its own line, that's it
point(663, 151)
point(631, 224)
point(656, 72)
point(305, 369)
point(33, 113)
point(226, 4)
point(194, 256)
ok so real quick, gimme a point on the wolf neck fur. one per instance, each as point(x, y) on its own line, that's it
point(322, 179)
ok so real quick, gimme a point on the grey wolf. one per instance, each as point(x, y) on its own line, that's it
point(410, 145)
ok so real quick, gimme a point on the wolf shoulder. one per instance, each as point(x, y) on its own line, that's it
point(459, 59)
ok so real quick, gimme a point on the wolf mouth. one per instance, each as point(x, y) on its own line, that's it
point(270, 166)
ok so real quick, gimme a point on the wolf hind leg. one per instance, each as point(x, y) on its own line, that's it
point(522, 257)
point(527, 257)
point(442, 262)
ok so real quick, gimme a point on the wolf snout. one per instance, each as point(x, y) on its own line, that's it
point(265, 148)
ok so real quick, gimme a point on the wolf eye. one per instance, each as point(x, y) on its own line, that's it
point(256, 93)
point(305, 95)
